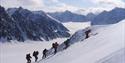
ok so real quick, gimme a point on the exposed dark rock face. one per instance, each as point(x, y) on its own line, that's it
point(23, 24)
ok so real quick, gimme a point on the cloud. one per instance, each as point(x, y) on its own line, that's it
point(29, 4)
point(9, 3)
point(55, 1)
point(110, 3)
point(56, 5)
point(46, 5)
point(62, 5)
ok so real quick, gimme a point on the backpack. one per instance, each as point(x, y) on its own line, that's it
point(34, 53)
point(37, 52)
point(27, 56)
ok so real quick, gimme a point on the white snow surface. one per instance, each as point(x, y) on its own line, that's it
point(109, 39)
point(15, 52)
point(98, 48)
point(115, 57)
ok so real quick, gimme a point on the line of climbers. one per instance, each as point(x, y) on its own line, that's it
point(54, 46)
point(35, 54)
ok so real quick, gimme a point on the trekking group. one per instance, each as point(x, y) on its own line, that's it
point(35, 53)
point(54, 46)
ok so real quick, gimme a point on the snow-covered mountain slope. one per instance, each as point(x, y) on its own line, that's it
point(115, 57)
point(109, 39)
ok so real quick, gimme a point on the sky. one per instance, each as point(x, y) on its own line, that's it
point(62, 5)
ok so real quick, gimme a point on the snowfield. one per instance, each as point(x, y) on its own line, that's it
point(104, 47)
point(16, 52)
point(107, 42)
point(116, 57)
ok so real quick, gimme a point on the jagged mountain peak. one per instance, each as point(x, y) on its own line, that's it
point(32, 26)
point(20, 10)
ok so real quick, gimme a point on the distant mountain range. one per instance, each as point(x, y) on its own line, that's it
point(22, 24)
point(68, 16)
point(109, 17)
point(104, 17)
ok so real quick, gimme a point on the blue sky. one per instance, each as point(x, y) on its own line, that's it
point(62, 5)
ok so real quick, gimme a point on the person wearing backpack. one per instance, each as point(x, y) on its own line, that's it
point(35, 54)
point(44, 53)
point(28, 57)
point(55, 45)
